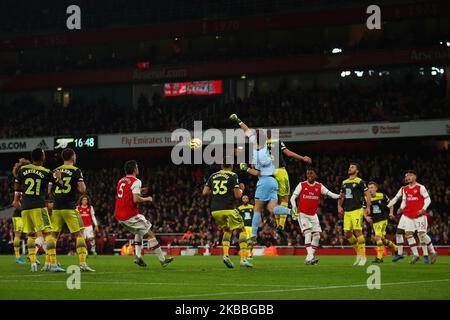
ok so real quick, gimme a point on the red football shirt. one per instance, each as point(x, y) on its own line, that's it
point(414, 198)
point(86, 215)
point(125, 206)
point(309, 198)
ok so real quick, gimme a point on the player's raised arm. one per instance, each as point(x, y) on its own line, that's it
point(293, 155)
point(325, 192)
point(395, 199)
point(241, 124)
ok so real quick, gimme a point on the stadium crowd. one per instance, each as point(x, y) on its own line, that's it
point(388, 101)
point(180, 208)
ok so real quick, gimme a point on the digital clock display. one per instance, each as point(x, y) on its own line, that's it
point(88, 142)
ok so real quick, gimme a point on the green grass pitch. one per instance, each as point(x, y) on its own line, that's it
point(198, 277)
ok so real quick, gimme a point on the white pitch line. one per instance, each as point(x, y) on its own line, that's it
point(284, 290)
point(158, 283)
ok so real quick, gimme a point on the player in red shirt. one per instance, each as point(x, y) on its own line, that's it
point(127, 213)
point(308, 193)
point(415, 201)
point(87, 213)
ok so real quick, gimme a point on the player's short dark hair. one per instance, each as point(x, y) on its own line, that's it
point(311, 169)
point(67, 154)
point(355, 164)
point(411, 171)
point(227, 165)
point(129, 166)
point(374, 183)
point(37, 154)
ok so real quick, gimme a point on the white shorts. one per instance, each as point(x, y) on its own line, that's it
point(419, 224)
point(307, 221)
point(137, 225)
point(88, 232)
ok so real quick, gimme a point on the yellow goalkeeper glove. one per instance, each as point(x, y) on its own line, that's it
point(235, 118)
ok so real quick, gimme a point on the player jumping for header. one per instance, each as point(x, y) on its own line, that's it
point(264, 169)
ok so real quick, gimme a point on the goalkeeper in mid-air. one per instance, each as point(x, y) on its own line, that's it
point(269, 186)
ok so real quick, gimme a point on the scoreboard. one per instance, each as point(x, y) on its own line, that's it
point(76, 142)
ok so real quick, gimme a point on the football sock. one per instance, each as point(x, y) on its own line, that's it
point(423, 246)
point(308, 236)
point(39, 243)
point(380, 249)
point(281, 210)
point(400, 241)
point(250, 248)
point(362, 245)
point(17, 246)
point(226, 242)
point(243, 244)
point(428, 243)
point(315, 242)
point(81, 250)
point(138, 245)
point(283, 217)
point(354, 243)
point(51, 249)
point(277, 219)
point(413, 245)
point(153, 244)
point(255, 223)
point(389, 244)
point(31, 249)
point(92, 243)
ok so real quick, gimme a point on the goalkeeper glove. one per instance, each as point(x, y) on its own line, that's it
point(294, 213)
point(243, 166)
point(235, 118)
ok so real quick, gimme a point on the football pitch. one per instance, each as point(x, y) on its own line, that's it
point(199, 277)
